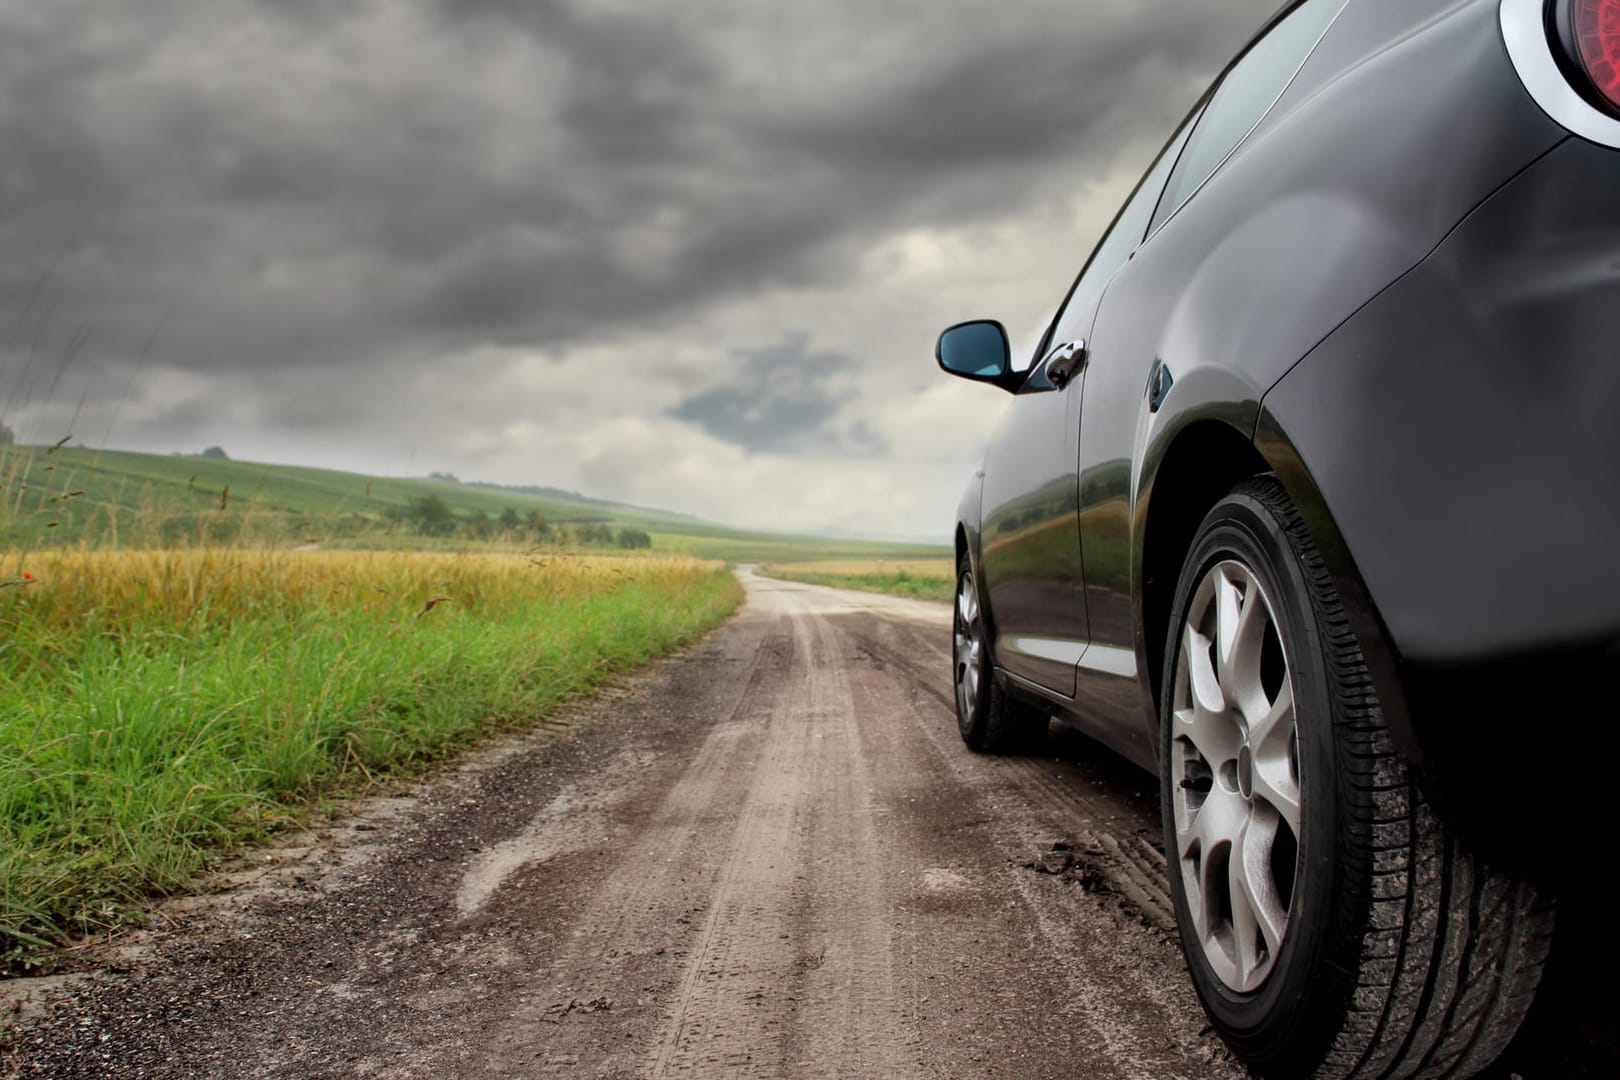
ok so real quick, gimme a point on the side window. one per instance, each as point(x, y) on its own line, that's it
point(1247, 93)
point(1123, 238)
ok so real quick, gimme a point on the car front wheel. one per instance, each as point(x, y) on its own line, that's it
point(1332, 925)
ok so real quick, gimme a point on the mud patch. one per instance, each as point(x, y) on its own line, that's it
point(1129, 876)
point(572, 820)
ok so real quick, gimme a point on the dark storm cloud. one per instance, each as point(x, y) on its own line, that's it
point(781, 398)
point(358, 190)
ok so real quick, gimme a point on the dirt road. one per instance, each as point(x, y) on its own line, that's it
point(771, 857)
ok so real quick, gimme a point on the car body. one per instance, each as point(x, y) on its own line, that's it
point(1392, 285)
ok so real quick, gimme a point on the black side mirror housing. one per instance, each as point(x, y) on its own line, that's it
point(978, 350)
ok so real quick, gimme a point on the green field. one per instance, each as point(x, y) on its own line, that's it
point(117, 498)
point(920, 579)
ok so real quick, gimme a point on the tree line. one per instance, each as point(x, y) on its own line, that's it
point(430, 515)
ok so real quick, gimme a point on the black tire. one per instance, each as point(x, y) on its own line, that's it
point(990, 720)
point(1402, 954)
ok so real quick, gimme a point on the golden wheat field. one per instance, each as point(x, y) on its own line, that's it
point(185, 590)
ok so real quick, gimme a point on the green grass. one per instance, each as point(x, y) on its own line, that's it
point(919, 579)
point(159, 706)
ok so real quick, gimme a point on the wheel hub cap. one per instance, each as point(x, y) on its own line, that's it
point(1234, 774)
point(1245, 772)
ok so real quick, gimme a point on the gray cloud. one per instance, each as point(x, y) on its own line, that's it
point(780, 398)
point(320, 203)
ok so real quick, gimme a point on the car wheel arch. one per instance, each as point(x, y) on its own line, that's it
point(1273, 444)
point(1199, 466)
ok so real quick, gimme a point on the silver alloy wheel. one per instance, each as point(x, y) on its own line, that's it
point(969, 644)
point(1234, 767)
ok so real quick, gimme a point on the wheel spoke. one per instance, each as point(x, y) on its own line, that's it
point(1203, 683)
point(1271, 740)
point(1216, 822)
point(1214, 828)
point(1245, 928)
point(967, 603)
point(1228, 616)
point(1241, 635)
point(1276, 724)
point(1276, 788)
point(1256, 908)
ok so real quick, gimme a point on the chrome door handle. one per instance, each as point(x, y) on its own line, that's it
point(1064, 363)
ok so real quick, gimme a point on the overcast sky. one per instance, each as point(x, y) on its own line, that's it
point(691, 255)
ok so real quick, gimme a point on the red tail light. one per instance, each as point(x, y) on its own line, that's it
point(1590, 30)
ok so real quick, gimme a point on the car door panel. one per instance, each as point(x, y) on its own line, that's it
point(1030, 544)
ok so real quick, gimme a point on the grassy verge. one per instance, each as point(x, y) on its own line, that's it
point(920, 579)
point(158, 705)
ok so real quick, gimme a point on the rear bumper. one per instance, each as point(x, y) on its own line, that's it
point(1459, 441)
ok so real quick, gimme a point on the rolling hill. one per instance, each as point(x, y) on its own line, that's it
point(74, 494)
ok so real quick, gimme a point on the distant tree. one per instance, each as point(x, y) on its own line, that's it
point(538, 526)
point(216, 452)
point(449, 478)
point(479, 526)
point(634, 538)
point(431, 515)
point(7, 436)
point(509, 520)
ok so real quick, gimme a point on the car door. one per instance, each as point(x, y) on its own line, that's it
point(1134, 358)
point(1030, 536)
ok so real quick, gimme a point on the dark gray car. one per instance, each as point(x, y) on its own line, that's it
point(1309, 502)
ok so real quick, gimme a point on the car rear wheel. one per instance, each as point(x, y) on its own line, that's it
point(991, 720)
point(1332, 925)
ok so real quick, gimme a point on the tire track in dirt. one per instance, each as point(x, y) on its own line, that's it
point(657, 889)
point(805, 838)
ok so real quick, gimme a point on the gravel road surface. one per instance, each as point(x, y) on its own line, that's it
point(768, 857)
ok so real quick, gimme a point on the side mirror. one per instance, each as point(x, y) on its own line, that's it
point(979, 351)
